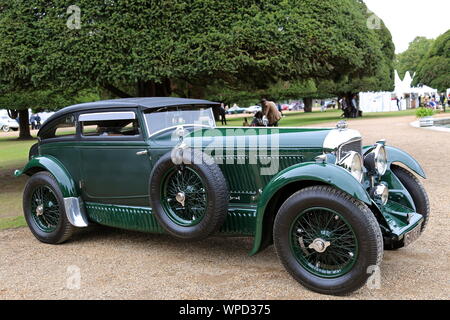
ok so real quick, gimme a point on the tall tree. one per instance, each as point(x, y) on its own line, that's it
point(434, 69)
point(409, 60)
point(181, 47)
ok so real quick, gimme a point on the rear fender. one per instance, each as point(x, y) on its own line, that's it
point(73, 203)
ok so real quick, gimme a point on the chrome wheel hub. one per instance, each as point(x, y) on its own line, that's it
point(40, 210)
point(319, 245)
point(181, 198)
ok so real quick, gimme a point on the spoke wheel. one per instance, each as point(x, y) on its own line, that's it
point(327, 240)
point(45, 209)
point(323, 242)
point(184, 196)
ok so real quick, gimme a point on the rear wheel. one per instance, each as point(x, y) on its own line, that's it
point(327, 240)
point(43, 206)
point(6, 128)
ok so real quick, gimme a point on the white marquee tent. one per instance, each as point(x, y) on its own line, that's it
point(386, 101)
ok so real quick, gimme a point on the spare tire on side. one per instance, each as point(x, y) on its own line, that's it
point(188, 194)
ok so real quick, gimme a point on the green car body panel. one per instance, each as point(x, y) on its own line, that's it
point(323, 173)
point(112, 178)
point(56, 168)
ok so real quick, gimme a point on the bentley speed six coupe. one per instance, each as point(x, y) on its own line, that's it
point(328, 204)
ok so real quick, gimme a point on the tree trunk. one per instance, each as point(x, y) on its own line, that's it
point(146, 88)
point(115, 91)
point(308, 104)
point(24, 124)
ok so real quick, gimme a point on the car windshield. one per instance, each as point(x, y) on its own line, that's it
point(172, 117)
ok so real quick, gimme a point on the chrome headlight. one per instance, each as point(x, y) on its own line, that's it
point(380, 194)
point(376, 160)
point(354, 164)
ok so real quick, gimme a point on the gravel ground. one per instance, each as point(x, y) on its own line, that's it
point(116, 264)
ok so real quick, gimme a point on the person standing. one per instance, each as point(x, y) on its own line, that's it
point(38, 121)
point(322, 106)
point(33, 121)
point(223, 114)
point(271, 112)
point(443, 101)
point(355, 108)
point(345, 108)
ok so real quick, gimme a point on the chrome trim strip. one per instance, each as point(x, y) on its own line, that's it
point(75, 211)
point(101, 116)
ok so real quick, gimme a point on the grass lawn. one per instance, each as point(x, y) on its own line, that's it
point(12, 222)
point(13, 151)
point(13, 155)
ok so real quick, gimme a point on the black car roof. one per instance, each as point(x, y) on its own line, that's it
point(143, 103)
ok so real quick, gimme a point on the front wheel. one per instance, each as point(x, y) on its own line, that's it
point(327, 240)
point(5, 129)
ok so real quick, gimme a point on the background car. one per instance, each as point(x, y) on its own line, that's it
point(330, 104)
point(7, 124)
point(253, 109)
point(236, 110)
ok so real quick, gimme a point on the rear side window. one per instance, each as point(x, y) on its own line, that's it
point(64, 127)
point(109, 124)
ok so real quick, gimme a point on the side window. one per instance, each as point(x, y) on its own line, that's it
point(109, 124)
point(64, 127)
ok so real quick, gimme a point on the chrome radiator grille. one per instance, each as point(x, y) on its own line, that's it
point(355, 145)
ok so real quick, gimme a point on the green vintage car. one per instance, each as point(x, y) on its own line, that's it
point(329, 205)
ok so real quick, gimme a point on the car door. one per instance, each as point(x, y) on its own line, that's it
point(115, 158)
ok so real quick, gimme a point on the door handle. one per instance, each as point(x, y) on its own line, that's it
point(141, 153)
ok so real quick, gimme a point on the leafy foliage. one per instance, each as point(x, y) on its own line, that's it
point(424, 112)
point(145, 47)
point(434, 69)
point(410, 59)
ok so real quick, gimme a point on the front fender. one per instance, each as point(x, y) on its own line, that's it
point(397, 155)
point(56, 168)
point(327, 173)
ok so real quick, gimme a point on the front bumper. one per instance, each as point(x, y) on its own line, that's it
point(399, 221)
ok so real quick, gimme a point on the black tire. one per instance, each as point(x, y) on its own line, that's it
point(357, 215)
point(62, 229)
point(215, 191)
point(416, 190)
point(419, 196)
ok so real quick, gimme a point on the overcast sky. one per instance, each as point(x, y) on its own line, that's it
point(407, 19)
